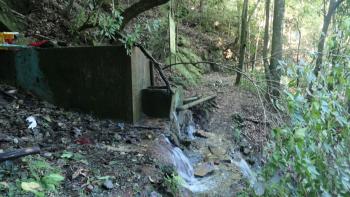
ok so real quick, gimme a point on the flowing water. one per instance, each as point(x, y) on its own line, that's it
point(185, 169)
point(181, 162)
point(226, 175)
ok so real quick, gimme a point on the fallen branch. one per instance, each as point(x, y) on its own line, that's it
point(187, 100)
point(8, 95)
point(256, 121)
point(6, 138)
point(146, 127)
point(194, 103)
point(156, 64)
point(15, 154)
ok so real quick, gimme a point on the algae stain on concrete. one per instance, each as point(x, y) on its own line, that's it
point(29, 75)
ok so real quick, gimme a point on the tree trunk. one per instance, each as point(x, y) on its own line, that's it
point(138, 8)
point(255, 55)
point(266, 40)
point(243, 40)
point(201, 6)
point(276, 49)
point(333, 5)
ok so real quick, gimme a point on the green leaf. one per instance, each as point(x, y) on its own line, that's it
point(103, 177)
point(67, 155)
point(31, 186)
point(300, 133)
point(52, 180)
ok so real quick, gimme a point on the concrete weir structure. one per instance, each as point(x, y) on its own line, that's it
point(103, 80)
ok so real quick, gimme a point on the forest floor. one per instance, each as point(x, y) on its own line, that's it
point(109, 158)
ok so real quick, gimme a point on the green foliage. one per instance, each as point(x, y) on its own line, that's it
point(310, 154)
point(173, 183)
point(35, 176)
point(109, 24)
point(106, 24)
point(222, 13)
point(130, 40)
point(67, 155)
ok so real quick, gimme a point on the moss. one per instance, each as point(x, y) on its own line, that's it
point(187, 74)
point(184, 41)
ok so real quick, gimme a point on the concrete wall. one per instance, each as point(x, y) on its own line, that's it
point(141, 79)
point(104, 80)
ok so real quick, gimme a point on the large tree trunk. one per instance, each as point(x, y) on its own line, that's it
point(266, 40)
point(333, 5)
point(138, 8)
point(276, 49)
point(243, 40)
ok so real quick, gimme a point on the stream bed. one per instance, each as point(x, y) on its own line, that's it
point(209, 166)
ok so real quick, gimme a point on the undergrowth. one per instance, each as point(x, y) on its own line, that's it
point(309, 155)
point(35, 175)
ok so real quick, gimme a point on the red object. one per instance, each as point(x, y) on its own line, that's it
point(39, 43)
point(9, 41)
point(83, 141)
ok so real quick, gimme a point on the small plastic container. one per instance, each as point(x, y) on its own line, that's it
point(7, 37)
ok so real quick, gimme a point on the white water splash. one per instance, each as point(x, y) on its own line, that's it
point(176, 121)
point(185, 170)
point(183, 165)
point(258, 187)
point(246, 171)
point(190, 130)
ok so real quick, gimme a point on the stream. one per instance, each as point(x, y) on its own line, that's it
point(210, 166)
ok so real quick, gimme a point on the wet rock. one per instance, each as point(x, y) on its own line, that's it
point(204, 169)
point(108, 184)
point(217, 150)
point(155, 194)
point(174, 139)
point(259, 188)
point(186, 142)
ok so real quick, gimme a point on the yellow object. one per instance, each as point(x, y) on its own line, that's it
point(7, 37)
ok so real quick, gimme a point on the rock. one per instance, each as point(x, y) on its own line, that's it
point(246, 151)
point(204, 169)
point(47, 155)
point(155, 194)
point(117, 137)
point(89, 188)
point(108, 184)
point(15, 140)
point(217, 150)
point(201, 133)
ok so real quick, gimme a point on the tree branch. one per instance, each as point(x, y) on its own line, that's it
point(138, 8)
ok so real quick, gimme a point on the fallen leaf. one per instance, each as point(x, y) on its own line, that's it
point(83, 141)
point(31, 186)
